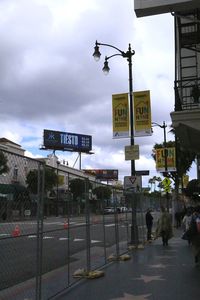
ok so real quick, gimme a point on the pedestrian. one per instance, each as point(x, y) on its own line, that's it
point(164, 227)
point(178, 219)
point(195, 234)
point(149, 224)
point(186, 224)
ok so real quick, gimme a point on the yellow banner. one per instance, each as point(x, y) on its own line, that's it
point(61, 179)
point(120, 114)
point(142, 113)
point(171, 159)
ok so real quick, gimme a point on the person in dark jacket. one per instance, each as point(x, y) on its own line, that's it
point(149, 224)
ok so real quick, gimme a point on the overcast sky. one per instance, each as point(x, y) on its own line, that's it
point(49, 79)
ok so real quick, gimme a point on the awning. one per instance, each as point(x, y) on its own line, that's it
point(11, 188)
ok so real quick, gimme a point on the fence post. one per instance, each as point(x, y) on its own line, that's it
point(40, 209)
point(116, 223)
point(87, 216)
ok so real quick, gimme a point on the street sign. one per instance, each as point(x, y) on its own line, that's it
point(133, 182)
point(132, 152)
point(166, 182)
point(141, 173)
point(167, 189)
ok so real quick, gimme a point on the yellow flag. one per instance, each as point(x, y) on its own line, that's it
point(120, 113)
point(142, 113)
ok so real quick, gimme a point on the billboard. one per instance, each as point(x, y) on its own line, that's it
point(153, 7)
point(120, 115)
point(103, 175)
point(65, 141)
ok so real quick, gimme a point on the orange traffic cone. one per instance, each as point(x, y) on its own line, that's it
point(16, 231)
point(66, 225)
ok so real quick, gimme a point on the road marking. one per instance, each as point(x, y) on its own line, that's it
point(94, 241)
point(109, 225)
point(78, 240)
point(4, 234)
point(32, 236)
point(47, 237)
point(63, 239)
point(78, 224)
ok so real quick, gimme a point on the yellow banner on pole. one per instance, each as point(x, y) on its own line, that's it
point(142, 113)
point(120, 114)
point(171, 159)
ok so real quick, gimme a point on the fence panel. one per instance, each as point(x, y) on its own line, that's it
point(18, 230)
point(55, 222)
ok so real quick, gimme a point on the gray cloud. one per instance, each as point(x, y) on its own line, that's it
point(49, 79)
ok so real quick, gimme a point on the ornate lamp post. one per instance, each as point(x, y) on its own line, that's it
point(165, 152)
point(165, 141)
point(128, 55)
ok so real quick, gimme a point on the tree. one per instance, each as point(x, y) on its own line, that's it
point(102, 192)
point(77, 187)
point(193, 189)
point(49, 182)
point(152, 181)
point(3, 163)
point(80, 190)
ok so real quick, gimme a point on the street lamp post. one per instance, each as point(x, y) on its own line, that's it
point(165, 141)
point(164, 126)
point(128, 55)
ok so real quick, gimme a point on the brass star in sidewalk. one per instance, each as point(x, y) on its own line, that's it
point(133, 297)
point(147, 279)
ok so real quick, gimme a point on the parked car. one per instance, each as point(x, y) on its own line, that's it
point(122, 209)
point(108, 210)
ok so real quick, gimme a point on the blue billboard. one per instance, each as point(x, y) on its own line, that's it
point(66, 141)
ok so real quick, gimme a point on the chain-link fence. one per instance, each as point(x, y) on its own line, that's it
point(54, 222)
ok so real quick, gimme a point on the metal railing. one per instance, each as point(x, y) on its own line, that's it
point(47, 232)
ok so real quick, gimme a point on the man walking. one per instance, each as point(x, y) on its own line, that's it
point(149, 224)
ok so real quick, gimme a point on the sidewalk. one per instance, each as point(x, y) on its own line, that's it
point(154, 273)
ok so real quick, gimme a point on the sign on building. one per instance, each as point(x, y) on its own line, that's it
point(103, 175)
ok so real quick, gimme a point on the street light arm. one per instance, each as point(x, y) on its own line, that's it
point(127, 54)
point(108, 57)
point(161, 126)
point(103, 44)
